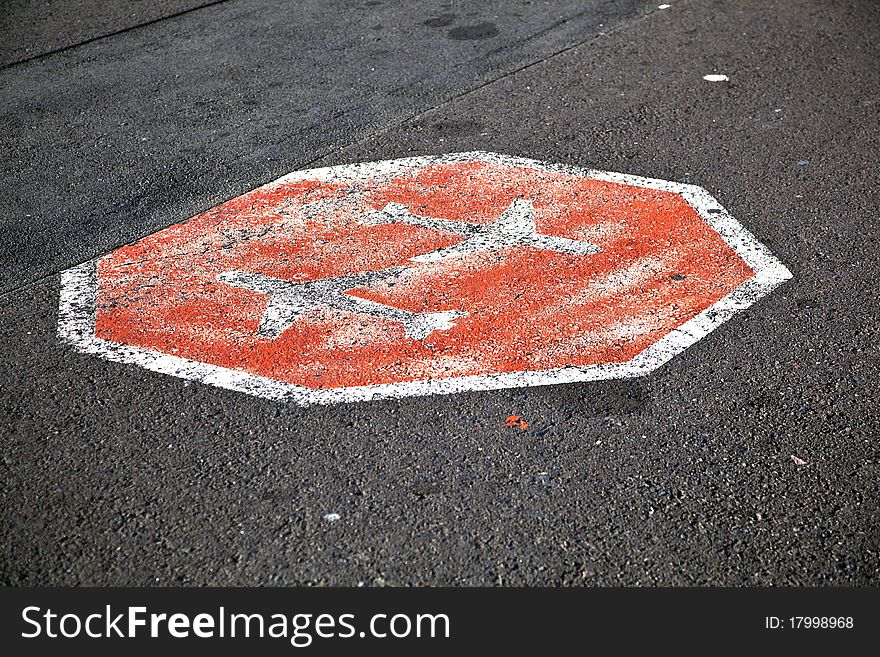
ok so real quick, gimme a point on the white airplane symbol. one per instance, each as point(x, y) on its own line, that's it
point(515, 227)
point(288, 300)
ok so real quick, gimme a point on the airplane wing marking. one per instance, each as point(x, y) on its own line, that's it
point(515, 227)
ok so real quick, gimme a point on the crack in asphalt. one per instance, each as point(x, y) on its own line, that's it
point(130, 28)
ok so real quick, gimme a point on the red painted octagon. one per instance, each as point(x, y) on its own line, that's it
point(663, 255)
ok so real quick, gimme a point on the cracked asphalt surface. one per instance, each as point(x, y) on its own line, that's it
point(750, 459)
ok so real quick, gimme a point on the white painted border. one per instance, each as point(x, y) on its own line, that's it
point(76, 316)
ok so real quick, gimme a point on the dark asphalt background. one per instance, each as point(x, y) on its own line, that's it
point(32, 28)
point(115, 475)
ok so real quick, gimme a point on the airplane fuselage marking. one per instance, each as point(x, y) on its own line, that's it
point(288, 300)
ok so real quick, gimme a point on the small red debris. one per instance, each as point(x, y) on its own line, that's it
point(515, 421)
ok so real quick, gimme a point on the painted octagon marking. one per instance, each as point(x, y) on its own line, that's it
point(430, 275)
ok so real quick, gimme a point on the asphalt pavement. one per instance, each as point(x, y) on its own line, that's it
point(749, 459)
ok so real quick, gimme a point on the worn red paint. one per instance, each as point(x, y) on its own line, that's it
point(527, 309)
point(515, 421)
